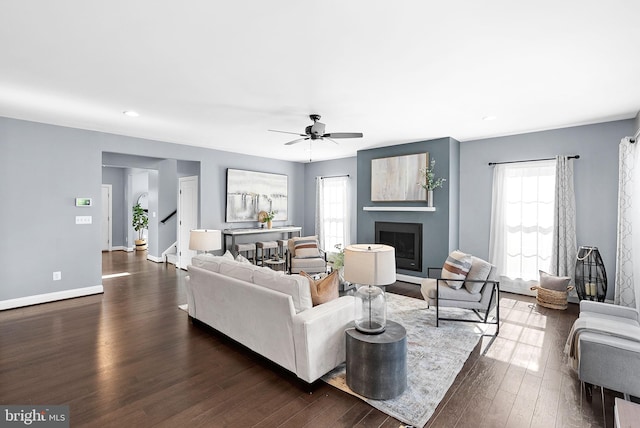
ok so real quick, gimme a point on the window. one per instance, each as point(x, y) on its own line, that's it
point(332, 212)
point(522, 222)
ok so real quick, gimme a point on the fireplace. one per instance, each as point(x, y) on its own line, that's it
point(406, 238)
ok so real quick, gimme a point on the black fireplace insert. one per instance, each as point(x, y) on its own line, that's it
point(406, 238)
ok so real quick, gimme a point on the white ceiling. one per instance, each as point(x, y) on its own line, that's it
point(220, 74)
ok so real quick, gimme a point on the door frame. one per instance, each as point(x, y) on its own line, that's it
point(109, 187)
point(180, 244)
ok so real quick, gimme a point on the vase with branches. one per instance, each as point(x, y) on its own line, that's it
point(430, 182)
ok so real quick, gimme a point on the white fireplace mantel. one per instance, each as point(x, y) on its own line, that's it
point(429, 209)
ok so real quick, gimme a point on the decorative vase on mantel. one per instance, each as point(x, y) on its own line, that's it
point(430, 198)
point(269, 224)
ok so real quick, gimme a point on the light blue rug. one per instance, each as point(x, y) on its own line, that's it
point(435, 356)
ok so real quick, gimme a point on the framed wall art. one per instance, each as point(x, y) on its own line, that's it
point(249, 192)
point(398, 178)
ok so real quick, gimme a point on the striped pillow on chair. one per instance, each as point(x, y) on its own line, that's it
point(456, 267)
point(306, 247)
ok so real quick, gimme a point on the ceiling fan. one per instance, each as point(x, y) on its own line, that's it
point(316, 132)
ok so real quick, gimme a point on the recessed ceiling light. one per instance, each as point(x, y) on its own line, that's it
point(489, 118)
point(131, 113)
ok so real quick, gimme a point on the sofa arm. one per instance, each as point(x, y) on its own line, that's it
point(609, 309)
point(610, 362)
point(319, 337)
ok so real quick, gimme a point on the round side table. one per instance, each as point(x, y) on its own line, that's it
point(377, 363)
point(275, 264)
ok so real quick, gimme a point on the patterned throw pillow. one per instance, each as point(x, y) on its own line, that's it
point(325, 289)
point(306, 247)
point(456, 267)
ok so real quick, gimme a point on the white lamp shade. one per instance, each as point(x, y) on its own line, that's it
point(205, 240)
point(370, 264)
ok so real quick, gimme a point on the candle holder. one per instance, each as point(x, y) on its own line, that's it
point(591, 277)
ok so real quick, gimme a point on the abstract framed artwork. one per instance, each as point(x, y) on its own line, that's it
point(249, 192)
point(398, 178)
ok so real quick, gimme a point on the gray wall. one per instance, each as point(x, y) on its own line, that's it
point(116, 177)
point(42, 169)
point(345, 166)
point(51, 165)
point(595, 178)
point(439, 228)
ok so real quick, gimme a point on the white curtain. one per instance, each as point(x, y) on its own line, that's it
point(332, 212)
point(522, 222)
point(564, 249)
point(628, 243)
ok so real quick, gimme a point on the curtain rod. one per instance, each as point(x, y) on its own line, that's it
point(532, 160)
point(333, 176)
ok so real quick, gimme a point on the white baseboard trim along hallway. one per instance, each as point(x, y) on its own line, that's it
point(49, 297)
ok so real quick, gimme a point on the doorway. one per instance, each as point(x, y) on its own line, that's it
point(187, 217)
point(106, 228)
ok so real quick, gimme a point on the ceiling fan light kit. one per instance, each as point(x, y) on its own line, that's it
point(316, 132)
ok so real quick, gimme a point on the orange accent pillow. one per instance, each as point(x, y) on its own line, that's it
point(325, 289)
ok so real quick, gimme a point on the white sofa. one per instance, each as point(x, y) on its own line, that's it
point(270, 313)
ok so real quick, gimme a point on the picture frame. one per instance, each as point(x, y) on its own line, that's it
point(249, 192)
point(398, 178)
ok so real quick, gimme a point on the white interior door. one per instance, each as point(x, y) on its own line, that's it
point(187, 217)
point(106, 226)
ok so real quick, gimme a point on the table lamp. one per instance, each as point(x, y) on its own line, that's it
point(205, 240)
point(370, 265)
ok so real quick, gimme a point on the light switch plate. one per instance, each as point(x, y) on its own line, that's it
point(83, 219)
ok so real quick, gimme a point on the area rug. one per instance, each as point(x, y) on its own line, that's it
point(435, 356)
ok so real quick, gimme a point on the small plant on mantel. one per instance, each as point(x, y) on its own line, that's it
point(430, 181)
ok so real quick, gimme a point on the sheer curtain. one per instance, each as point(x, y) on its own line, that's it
point(628, 243)
point(522, 222)
point(332, 212)
point(564, 248)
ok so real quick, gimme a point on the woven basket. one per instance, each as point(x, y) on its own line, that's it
point(551, 298)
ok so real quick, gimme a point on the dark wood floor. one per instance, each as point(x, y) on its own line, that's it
point(130, 358)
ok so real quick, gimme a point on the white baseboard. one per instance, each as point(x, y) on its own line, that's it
point(118, 248)
point(409, 278)
point(155, 259)
point(49, 297)
point(129, 249)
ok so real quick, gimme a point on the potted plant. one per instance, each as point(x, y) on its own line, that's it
point(267, 217)
point(430, 181)
point(140, 223)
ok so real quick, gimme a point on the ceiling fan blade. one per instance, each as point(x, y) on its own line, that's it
point(295, 141)
point(287, 132)
point(333, 141)
point(343, 135)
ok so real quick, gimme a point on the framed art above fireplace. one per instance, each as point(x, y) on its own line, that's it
point(398, 178)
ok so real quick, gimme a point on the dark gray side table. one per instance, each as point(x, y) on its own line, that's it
point(377, 363)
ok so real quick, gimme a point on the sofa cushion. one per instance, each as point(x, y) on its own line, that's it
point(238, 271)
point(479, 271)
point(324, 289)
point(305, 247)
point(552, 282)
point(294, 285)
point(210, 262)
point(456, 267)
